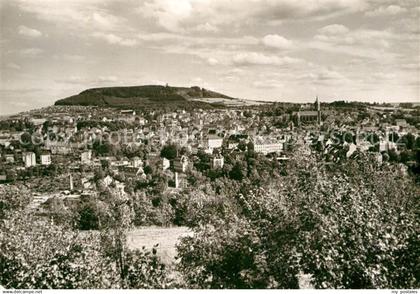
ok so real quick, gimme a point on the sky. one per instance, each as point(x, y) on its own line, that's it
point(278, 50)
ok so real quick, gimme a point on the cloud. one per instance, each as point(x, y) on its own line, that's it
point(362, 42)
point(86, 14)
point(28, 32)
point(168, 13)
point(69, 57)
point(13, 65)
point(386, 11)
point(277, 41)
point(334, 29)
point(185, 15)
point(385, 76)
point(255, 58)
point(79, 80)
point(267, 84)
point(31, 52)
point(115, 40)
point(206, 27)
point(212, 61)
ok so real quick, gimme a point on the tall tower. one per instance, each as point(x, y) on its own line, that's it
point(318, 109)
point(71, 183)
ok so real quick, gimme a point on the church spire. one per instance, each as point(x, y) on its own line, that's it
point(318, 109)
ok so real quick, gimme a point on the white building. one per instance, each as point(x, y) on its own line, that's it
point(266, 145)
point(86, 156)
point(213, 142)
point(217, 161)
point(268, 148)
point(136, 162)
point(45, 159)
point(181, 164)
point(29, 159)
point(165, 163)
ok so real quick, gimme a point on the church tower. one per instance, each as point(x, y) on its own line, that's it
point(318, 110)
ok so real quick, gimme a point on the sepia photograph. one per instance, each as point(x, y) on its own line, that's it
point(209, 144)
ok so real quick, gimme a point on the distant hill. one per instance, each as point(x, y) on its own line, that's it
point(148, 96)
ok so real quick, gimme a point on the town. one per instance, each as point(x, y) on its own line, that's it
point(65, 161)
point(77, 144)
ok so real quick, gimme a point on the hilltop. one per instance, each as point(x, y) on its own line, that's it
point(148, 96)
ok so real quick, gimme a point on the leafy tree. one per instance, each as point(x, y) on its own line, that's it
point(36, 254)
point(340, 225)
point(169, 151)
point(237, 172)
point(88, 217)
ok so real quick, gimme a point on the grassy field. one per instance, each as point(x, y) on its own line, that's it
point(167, 238)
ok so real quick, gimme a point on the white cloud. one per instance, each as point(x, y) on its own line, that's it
point(267, 84)
point(385, 75)
point(13, 65)
point(212, 61)
point(206, 27)
point(86, 14)
point(115, 40)
point(277, 41)
point(386, 11)
point(255, 58)
point(363, 42)
point(185, 15)
point(79, 80)
point(31, 52)
point(334, 29)
point(69, 57)
point(29, 32)
point(168, 13)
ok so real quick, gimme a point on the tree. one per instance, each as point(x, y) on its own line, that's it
point(352, 225)
point(13, 199)
point(88, 217)
point(36, 254)
point(169, 151)
point(237, 172)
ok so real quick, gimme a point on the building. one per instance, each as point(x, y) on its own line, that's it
point(217, 161)
point(181, 164)
point(402, 123)
point(29, 159)
point(10, 158)
point(45, 159)
point(136, 162)
point(235, 139)
point(268, 147)
point(213, 141)
point(165, 163)
point(86, 156)
point(180, 181)
point(309, 116)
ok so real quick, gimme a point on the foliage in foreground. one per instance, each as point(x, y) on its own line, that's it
point(41, 255)
point(351, 227)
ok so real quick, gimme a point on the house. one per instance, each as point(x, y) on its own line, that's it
point(86, 156)
point(217, 161)
point(45, 159)
point(235, 139)
point(213, 141)
point(29, 159)
point(352, 148)
point(268, 145)
point(401, 123)
point(181, 164)
point(180, 181)
point(10, 158)
point(165, 163)
point(136, 162)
